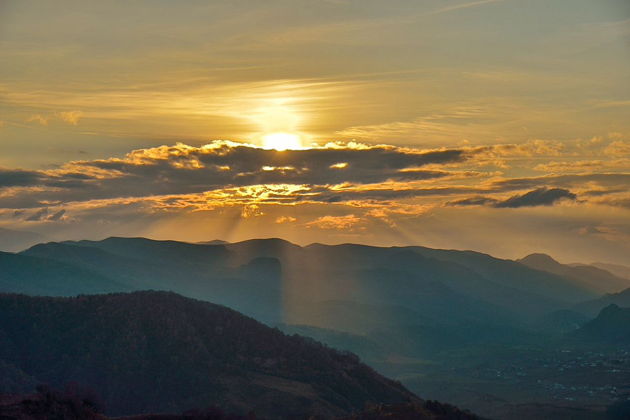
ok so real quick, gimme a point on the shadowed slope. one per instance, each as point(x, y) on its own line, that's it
point(161, 352)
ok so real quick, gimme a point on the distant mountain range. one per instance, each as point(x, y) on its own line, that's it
point(17, 240)
point(410, 295)
point(592, 307)
point(616, 269)
point(258, 277)
point(590, 277)
point(158, 352)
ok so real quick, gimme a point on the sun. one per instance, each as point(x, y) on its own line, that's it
point(282, 141)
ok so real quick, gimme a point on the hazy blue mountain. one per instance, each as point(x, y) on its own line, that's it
point(592, 307)
point(513, 274)
point(152, 250)
point(192, 270)
point(611, 326)
point(285, 251)
point(160, 352)
point(504, 283)
point(617, 269)
point(41, 276)
point(591, 278)
point(561, 321)
point(17, 240)
point(275, 280)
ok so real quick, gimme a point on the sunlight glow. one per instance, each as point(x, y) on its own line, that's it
point(282, 141)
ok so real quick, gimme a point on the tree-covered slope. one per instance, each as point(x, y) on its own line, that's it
point(160, 352)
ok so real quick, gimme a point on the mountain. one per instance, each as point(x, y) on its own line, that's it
point(213, 242)
point(42, 276)
point(322, 272)
point(612, 325)
point(589, 277)
point(72, 405)
point(193, 270)
point(506, 284)
point(592, 307)
point(561, 321)
point(419, 314)
point(428, 410)
point(17, 240)
point(409, 301)
point(351, 288)
point(160, 352)
point(47, 405)
point(618, 270)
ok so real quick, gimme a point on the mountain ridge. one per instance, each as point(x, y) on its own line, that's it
point(320, 272)
point(591, 277)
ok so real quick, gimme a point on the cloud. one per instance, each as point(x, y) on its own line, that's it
point(38, 215)
point(56, 216)
point(622, 201)
point(618, 149)
point(396, 191)
point(71, 117)
point(538, 197)
point(39, 119)
point(18, 177)
point(335, 222)
point(374, 182)
point(183, 169)
point(613, 233)
point(474, 201)
point(463, 6)
point(564, 181)
point(53, 180)
point(583, 166)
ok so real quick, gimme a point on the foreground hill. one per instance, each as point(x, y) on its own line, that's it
point(160, 352)
point(51, 404)
point(590, 277)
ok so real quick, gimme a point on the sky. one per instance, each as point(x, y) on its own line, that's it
point(501, 126)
